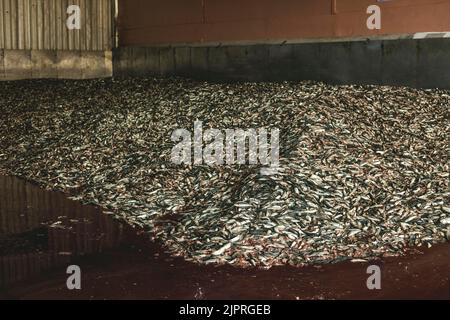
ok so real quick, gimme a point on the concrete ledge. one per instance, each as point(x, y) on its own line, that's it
point(28, 64)
point(399, 64)
point(199, 62)
point(96, 64)
point(433, 74)
point(183, 60)
point(17, 64)
point(69, 65)
point(403, 62)
point(44, 64)
point(2, 65)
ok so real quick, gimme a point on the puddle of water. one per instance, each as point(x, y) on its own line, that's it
point(42, 232)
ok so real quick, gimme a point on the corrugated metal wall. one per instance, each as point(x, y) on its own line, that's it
point(41, 25)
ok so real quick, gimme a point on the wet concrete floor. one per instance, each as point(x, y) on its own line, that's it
point(43, 232)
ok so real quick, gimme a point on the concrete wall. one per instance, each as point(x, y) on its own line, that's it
point(62, 64)
point(149, 22)
point(405, 62)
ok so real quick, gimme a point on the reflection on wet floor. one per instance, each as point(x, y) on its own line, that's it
point(40, 230)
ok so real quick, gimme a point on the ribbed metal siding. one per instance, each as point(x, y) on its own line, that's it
point(41, 25)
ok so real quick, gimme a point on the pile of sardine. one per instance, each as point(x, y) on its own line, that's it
point(364, 170)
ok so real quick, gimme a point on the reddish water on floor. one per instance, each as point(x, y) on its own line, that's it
point(42, 232)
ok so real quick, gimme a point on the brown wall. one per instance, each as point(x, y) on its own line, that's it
point(149, 22)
